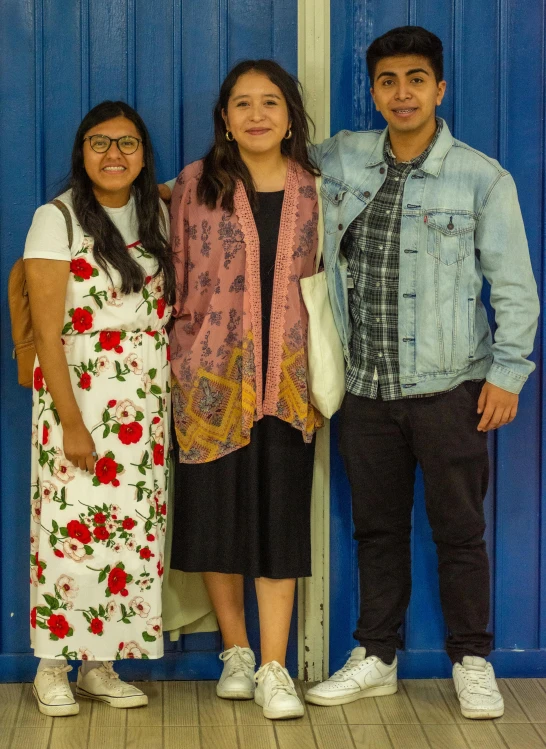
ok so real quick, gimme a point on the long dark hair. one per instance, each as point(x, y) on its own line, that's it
point(109, 248)
point(223, 165)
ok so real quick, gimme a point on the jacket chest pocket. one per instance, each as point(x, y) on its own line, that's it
point(450, 237)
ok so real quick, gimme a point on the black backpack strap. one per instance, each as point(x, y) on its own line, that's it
point(68, 219)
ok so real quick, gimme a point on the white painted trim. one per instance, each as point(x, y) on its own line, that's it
point(314, 592)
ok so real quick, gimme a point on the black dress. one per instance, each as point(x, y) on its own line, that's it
point(249, 512)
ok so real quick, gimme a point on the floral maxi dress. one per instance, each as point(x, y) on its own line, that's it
point(97, 540)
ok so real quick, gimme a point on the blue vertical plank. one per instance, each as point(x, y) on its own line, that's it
point(62, 101)
point(284, 27)
point(200, 75)
point(341, 65)
point(518, 500)
point(542, 331)
point(108, 59)
point(249, 31)
point(20, 185)
point(156, 88)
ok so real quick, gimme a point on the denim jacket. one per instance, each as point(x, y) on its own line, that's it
point(461, 221)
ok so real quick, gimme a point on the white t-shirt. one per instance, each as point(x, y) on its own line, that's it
point(47, 238)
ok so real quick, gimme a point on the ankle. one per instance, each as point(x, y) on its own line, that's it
point(51, 663)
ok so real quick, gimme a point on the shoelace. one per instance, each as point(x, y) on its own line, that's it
point(240, 661)
point(107, 670)
point(477, 680)
point(347, 670)
point(284, 682)
point(58, 686)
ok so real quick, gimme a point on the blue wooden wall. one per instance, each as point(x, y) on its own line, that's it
point(57, 60)
point(495, 68)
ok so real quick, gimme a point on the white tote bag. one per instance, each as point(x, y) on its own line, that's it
point(325, 360)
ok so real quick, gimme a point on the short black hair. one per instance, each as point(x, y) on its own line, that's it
point(407, 40)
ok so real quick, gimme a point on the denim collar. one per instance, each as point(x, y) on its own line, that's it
point(432, 164)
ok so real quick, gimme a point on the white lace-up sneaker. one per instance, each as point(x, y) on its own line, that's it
point(276, 694)
point(53, 693)
point(237, 679)
point(477, 689)
point(359, 677)
point(103, 683)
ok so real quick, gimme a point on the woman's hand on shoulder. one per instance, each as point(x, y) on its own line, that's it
point(79, 447)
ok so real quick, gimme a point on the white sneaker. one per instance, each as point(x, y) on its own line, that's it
point(237, 679)
point(103, 683)
point(275, 692)
point(359, 677)
point(477, 689)
point(53, 693)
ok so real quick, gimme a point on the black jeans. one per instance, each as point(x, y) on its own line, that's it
point(381, 443)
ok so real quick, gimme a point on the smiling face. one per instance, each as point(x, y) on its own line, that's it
point(112, 173)
point(406, 92)
point(257, 114)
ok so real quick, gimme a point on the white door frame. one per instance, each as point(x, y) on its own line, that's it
point(314, 592)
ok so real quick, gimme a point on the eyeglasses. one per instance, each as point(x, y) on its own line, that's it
point(127, 144)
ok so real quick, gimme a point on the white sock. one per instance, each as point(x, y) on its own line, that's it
point(88, 666)
point(51, 663)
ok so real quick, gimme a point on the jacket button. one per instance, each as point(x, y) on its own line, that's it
point(340, 227)
point(450, 226)
point(367, 194)
point(382, 170)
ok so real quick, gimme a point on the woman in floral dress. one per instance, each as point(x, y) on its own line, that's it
point(100, 283)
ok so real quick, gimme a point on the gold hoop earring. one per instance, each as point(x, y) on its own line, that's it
point(228, 134)
point(288, 134)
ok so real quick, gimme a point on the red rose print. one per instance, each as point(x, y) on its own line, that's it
point(124, 592)
point(58, 625)
point(39, 569)
point(128, 524)
point(82, 320)
point(159, 457)
point(96, 626)
point(45, 435)
point(99, 518)
point(105, 470)
point(109, 339)
point(168, 352)
point(163, 508)
point(33, 618)
point(146, 553)
point(147, 280)
point(115, 482)
point(78, 530)
point(118, 349)
point(121, 645)
point(38, 379)
point(101, 534)
point(150, 537)
point(160, 569)
point(156, 420)
point(85, 381)
point(130, 434)
point(160, 307)
point(58, 553)
point(81, 268)
point(112, 403)
point(151, 333)
point(117, 580)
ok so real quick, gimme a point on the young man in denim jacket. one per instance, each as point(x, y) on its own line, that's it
point(414, 220)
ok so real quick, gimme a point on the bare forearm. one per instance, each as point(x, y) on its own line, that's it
point(57, 377)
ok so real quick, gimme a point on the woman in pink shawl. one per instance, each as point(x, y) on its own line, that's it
point(244, 230)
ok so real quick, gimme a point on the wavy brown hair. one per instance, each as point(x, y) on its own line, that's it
point(109, 247)
point(223, 165)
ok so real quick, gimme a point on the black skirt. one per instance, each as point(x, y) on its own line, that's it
point(247, 513)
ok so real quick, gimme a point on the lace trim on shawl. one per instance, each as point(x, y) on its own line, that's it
point(252, 260)
point(285, 248)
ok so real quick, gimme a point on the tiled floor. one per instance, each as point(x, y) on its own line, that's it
point(188, 715)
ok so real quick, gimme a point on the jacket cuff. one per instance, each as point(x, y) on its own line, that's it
point(506, 378)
